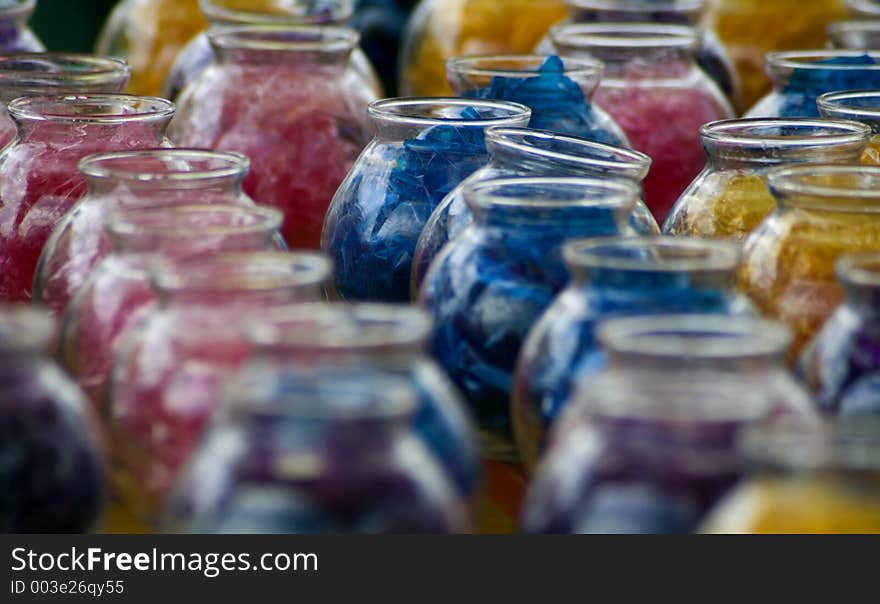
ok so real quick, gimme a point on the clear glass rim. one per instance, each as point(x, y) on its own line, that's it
point(617, 36)
point(338, 327)
point(37, 108)
point(740, 132)
point(718, 256)
point(794, 181)
point(339, 12)
point(695, 336)
point(834, 105)
point(25, 329)
point(807, 59)
point(90, 69)
point(134, 221)
point(470, 65)
point(638, 6)
point(615, 194)
point(230, 165)
point(860, 269)
point(624, 159)
point(19, 10)
point(401, 112)
point(271, 37)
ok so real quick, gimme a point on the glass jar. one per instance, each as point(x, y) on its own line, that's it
point(441, 29)
point(313, 458)
point(491, 284)
point(610, 278)
point(842, 365)
point(28, 74)
point(801, 77)
point(824, 213)
point(333, 341)
point(39, 180)
point(166, 380)
point(814, 479)
point(135, 178)
point(527, 152)
point(117, 296)
point(651, 444)
point(149, 34)
point(15, 35)
point(711, 55)
point(299, 155)
point(730, 198)
point(558, 92)
point(749, 29)
point(860, 106)
point(52, 478)
point(422, 150)
point(651, 77)
point(198, 54)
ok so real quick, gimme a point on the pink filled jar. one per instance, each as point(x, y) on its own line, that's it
point(280, 95)
point(151, 178)
point(653, 88)
point(166, 383)
point(118, 294)
point(39, 179)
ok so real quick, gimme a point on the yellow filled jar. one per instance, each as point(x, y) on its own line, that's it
point(750, 29)
point(858, 105)
point(441, 29)
point(824, 212)
point(730, 198)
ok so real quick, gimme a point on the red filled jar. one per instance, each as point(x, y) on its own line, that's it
point(39, 180)
point(280, 95)
point(655, 90)
point(166, 383)
point(158, 177)
point(118, 294)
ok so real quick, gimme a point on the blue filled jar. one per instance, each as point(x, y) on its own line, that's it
point(527, 152)
point(334, 341)
point(617, 277)
point(559, 92)
point(800, 77)
point(315, 457)
point(491, 284)
point(422, 150)
point(652, 443)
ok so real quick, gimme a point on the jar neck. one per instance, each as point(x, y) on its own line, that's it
point(860, 277)
point(816, 73)
point(827, 190)
point(675, 12)
point(28, 74)
point(512, 76)
point(289, 12)
point(297, 48)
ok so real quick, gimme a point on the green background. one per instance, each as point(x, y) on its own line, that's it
point(70, 25)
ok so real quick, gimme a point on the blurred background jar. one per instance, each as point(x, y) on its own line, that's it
point(39, 179)
point(650, 445)
point(28, 74)
point(824, 212)
point(858, 105)
point(15, 34)
point(53, 468)
point(314, 458)
point(527, 152)
point(652, 78)
point(801, 77)
point(441, 29)
point(749, 29)
point(842, 364)
point(730, 198)
point(166, 381)
point(610, 278)
point(422, 150)
point(854, 35)
point(806, 479)
point(279, 95)
point(490, 285)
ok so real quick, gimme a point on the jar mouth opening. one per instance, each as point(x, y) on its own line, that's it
point(857, 105)
point(593, 156)
point(828, 187)
point(284, 38)
point(91, 108)
point(623, 36)
point(172, 222)
point(17, 9)
point(656, 254)
point(793, 133)
point(695, 337)
point(323, 328)
point(808, 60)
point(44, 70)
point(25, 330)
point(520, 66)
point(166, 165)
point(550, 193)
point(440, 111)
point(244, 272)
point(292, 12)
point(860, 269)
